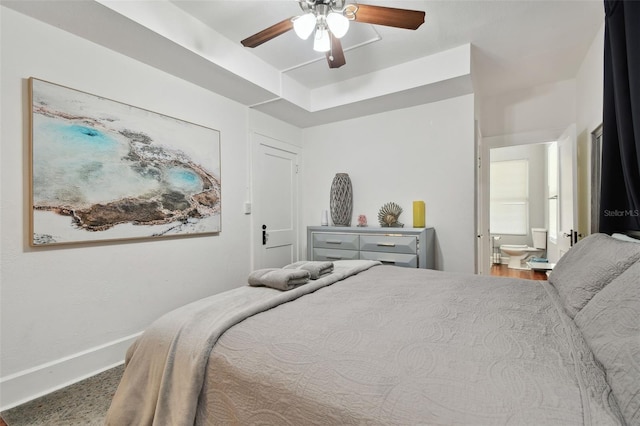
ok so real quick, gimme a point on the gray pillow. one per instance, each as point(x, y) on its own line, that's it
point(623, 237)
point(610, 324)
point(589, 266)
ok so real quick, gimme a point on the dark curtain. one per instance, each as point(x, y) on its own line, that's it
point(620, 184)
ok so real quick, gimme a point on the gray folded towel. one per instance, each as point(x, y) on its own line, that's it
point(280, 279)
point(316, 269)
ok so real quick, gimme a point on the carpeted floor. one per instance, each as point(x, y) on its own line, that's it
point(83, 404)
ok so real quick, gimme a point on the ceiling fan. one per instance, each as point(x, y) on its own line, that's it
point(329, 21)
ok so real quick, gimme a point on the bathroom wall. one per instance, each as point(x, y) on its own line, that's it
point(535, 154)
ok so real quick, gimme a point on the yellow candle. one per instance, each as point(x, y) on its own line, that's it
point(418, 214)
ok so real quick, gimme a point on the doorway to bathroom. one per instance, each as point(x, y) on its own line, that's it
point(563, 205)
point(532, 203)
point(519, 206)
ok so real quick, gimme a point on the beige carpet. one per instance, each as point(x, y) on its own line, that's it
point(84, 404)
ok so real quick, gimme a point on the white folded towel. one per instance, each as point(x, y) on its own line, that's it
point(316, 269)
point(280, 279)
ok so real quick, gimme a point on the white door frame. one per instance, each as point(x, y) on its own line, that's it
point(567, 191)
point(487, 144)
point(483, 238)
point(258, 139)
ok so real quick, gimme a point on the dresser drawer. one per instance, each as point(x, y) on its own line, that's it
point(396, 259)
point(389, 243)
point(406, 247)
point(331, 254)
point(336, 241)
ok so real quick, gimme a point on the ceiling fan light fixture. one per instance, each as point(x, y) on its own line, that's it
point(338, 24)
point(330, 21)
point(304, 25)
point(322, 41)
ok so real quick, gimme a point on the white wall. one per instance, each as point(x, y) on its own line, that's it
point(533, 110)
point(420, 153)
point(70, 311)
point(589, 88)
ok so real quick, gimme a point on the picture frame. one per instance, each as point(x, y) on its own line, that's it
point(102, 170)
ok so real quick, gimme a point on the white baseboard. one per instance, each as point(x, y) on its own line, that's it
point(35, 382)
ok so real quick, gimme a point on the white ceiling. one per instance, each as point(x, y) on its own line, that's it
point(514, 44)
point(512, 38)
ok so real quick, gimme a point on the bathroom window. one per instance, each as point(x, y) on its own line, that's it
point(509, 199)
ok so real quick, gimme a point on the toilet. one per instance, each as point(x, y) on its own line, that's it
point(518, 254)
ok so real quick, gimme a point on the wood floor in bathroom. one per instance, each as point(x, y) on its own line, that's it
point(504, 271)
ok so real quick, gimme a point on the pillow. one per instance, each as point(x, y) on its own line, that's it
point(623, 237)
point(589, 266)
point(610, 324)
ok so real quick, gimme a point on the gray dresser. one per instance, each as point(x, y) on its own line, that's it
point(407, 247)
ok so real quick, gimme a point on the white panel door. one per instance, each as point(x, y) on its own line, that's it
point(275, 206)
point(567, 191)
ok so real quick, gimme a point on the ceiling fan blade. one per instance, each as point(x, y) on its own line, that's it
point(389, 16)
point(268, 33)
point(335, 56)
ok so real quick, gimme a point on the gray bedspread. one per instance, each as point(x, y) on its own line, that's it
point(165, 367)
point(388, 346)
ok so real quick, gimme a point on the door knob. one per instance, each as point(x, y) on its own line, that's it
point(573, 235)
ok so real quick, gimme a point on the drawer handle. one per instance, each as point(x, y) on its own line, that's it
point(334, 257)
point(334, 242)
point(388, 262)
point(386, 244)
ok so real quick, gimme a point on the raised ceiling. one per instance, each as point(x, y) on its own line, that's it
point(484, 47)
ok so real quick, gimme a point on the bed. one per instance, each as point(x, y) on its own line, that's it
point(381, 345)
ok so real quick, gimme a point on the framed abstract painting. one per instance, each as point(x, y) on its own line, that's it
point(104, 170)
